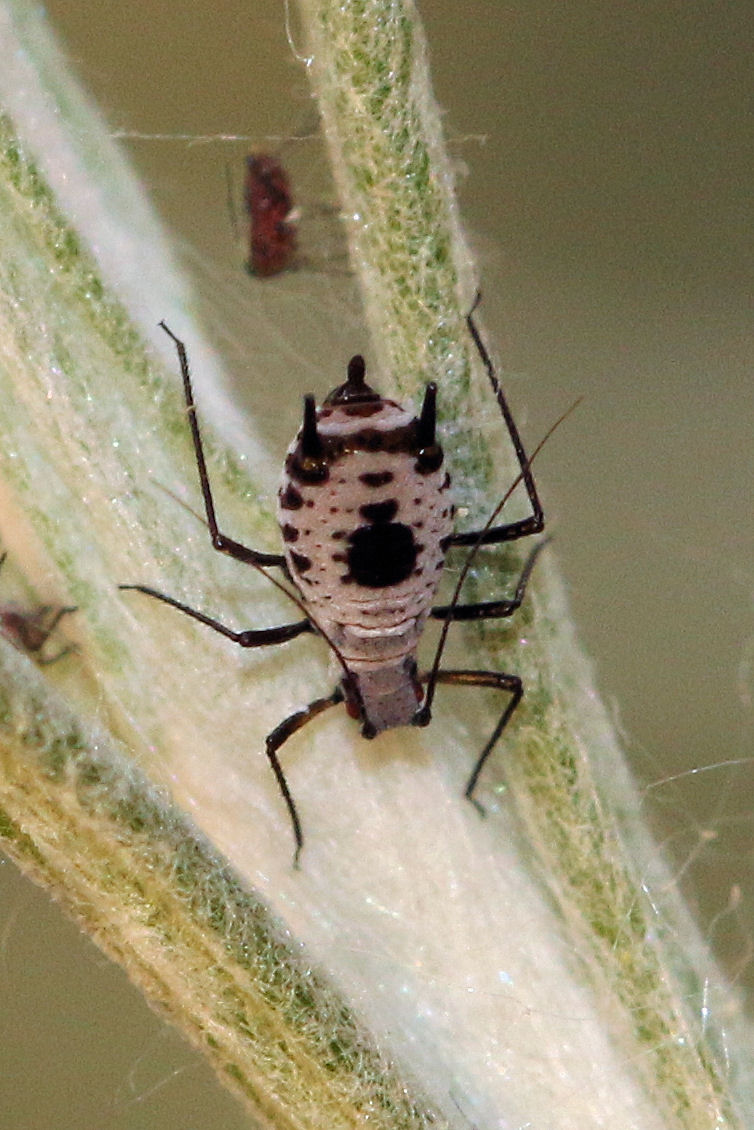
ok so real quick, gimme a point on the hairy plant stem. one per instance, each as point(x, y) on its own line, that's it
point(89, 425)
point(369, 69)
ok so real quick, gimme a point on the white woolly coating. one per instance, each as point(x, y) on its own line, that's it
point(370, 625)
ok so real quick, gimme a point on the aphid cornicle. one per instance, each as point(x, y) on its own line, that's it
point(366, 519)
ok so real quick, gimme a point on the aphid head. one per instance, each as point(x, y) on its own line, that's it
point(355, 390)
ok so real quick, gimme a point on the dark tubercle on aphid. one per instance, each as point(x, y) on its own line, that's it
point(429, 459)
point(290, 498)
point(305, 469)
point(301, 563)
point(380, 555)
point(398, 441)
point(428, 450)
point(379, 511)
point(376, 478)
point(309, 462)
point(355, 390)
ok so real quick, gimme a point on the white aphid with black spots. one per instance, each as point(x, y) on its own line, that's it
point(364, 510)
point(366, 519)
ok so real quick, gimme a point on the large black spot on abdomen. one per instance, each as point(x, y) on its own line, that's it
point(381, 555)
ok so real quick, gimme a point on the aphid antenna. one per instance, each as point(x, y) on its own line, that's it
point(230, 200)
point(176, 498)
point(307, 613)
point(524, 473)
point(203, 521)
point(536, 523)
point(209, 505)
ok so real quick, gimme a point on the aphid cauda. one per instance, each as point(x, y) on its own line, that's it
point(272, 217)
point(366, 521)
point(29, 629)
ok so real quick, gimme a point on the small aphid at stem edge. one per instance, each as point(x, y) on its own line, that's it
point(29, 629)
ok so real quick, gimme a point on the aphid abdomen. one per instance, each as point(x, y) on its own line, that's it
point(364, 510)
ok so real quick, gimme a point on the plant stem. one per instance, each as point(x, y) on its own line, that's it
point(447, 947)
point(370, 74)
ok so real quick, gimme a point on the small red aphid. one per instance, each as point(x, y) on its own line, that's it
point(29, 631)
point(272, 217)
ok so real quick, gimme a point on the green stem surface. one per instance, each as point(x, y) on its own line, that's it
point(511, 969)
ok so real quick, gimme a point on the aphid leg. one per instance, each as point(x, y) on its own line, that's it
point(46, 632)
point(220, 541)
point(498, 680)
point(485, 610)
point(493, 609)
point(526, 526)
point(277, 737)
point(261, 638)
point(60, 613)
point(46, 660)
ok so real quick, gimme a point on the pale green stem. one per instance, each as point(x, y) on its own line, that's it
point(79, 403)
point(369, 69)
point(156, 897)
point(433, 926)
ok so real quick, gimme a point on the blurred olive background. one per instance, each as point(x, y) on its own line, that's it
point(610, 203)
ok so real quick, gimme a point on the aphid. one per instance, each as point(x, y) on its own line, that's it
point(273, 223)
point(29, 631)
point(366, 520)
